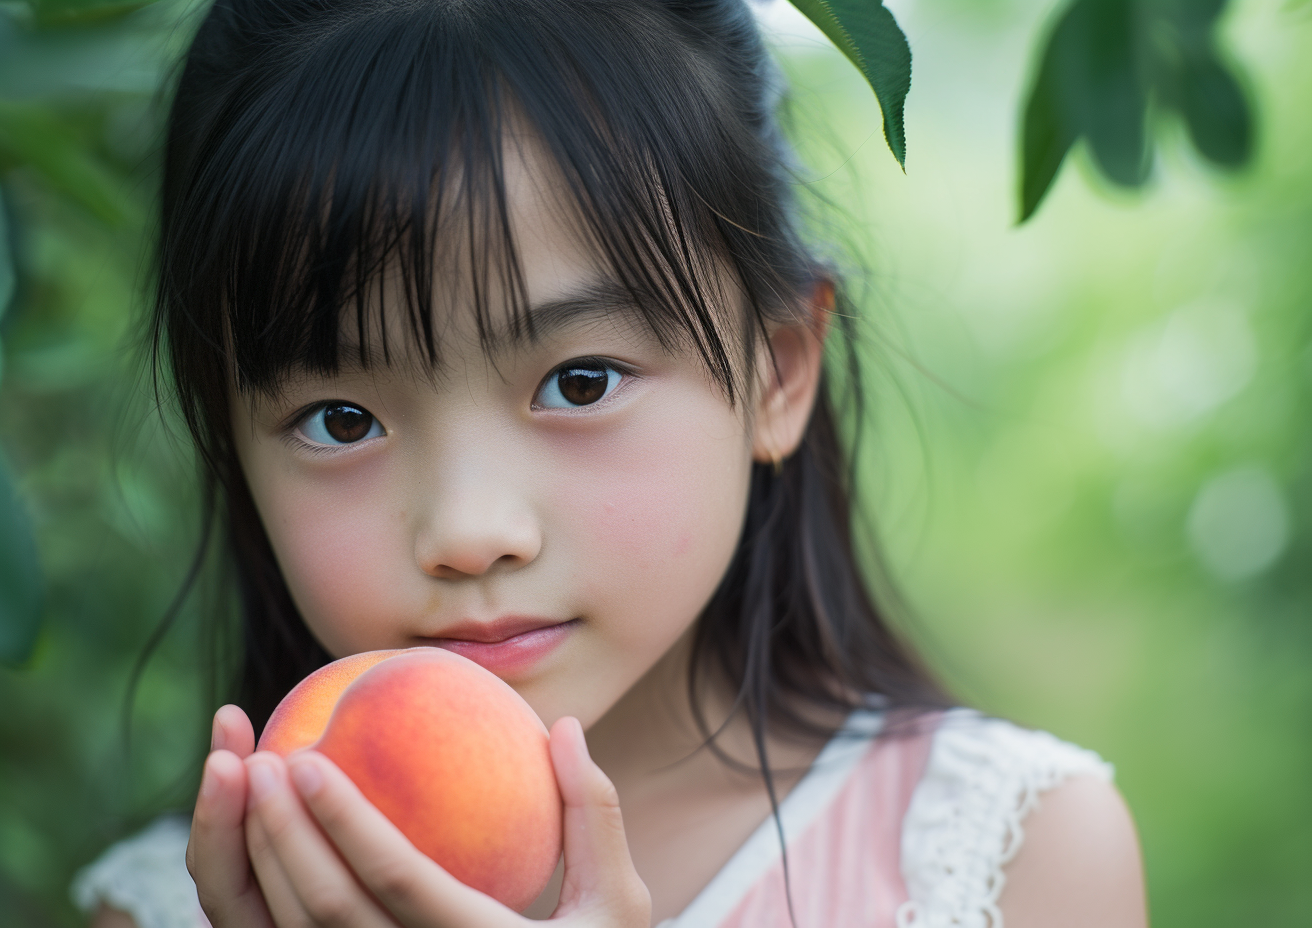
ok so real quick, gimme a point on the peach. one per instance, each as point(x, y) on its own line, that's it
point(447, 751)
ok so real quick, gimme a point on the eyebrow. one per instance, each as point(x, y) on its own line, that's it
point(600, 298)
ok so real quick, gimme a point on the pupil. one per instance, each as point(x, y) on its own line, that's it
point(347, 423)
point(583, 385)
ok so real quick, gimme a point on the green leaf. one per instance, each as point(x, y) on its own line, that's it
point(1090, 85)
point(21, 593)
point(1102, 64)
point(1193, 80)
point(35, 136)
point(866, 32)
point(1112, 99)
point(1214, 109)
point(1046, 136)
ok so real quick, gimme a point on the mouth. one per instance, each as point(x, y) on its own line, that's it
point(509, 646)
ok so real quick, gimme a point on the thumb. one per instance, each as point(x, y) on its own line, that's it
point(232, 731)
point(599, 873)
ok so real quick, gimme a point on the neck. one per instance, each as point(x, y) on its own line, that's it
point(685, 810)
point(650, 739)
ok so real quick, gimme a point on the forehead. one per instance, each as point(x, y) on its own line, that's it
point(499, 280)
point(504, 244)
point(530, 253)
point(517, 274)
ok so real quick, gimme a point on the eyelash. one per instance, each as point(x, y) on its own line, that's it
point(293, 429)
point(624, 371)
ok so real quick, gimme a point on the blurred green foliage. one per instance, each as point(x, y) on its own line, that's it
point(103, 478)
point(1106, 65)
point(1090, 467)
point(1095, 473)
point(20, 568)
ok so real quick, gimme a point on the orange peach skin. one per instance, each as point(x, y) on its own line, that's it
point(447, 751)
point(301, 717)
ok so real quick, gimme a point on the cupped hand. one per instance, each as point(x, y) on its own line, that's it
point(216, 854)
point(325, 856)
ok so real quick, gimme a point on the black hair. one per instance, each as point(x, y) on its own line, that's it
point(314, 145)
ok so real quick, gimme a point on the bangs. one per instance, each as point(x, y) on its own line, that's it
point(357, 158)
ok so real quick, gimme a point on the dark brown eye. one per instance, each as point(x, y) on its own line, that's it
point(581, 383)
point(346, 423)
point(341, 424)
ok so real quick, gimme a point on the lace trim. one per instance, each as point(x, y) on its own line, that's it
point(964, 822)
point(145, 876)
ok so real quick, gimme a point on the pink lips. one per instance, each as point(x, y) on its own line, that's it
point(506, 646)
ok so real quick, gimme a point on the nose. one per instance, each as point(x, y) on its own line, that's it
point(476, 520)
point(475, 524)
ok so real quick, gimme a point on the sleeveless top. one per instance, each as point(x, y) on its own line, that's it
point(908, 830)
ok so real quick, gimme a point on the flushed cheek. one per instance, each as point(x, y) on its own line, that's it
point(658, 526)
point(338, 552)
point(656, 518)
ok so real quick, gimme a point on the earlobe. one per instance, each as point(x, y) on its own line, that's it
point(789, 375)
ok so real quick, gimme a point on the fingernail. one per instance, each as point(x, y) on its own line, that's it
point(216, 736)
point(262, 780)
point(307, 777)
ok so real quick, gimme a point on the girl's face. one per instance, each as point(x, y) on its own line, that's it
point(559, 510)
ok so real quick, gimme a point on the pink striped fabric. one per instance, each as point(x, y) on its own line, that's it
point(844, 869)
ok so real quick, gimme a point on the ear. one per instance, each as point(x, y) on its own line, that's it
point(788, 380)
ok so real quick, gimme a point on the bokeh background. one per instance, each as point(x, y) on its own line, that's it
point(1089, 460)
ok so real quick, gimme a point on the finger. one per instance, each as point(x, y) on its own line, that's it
point(322, 886)
point(414, 889)
point(599, 872)
point(279, 894)
point(216, 852)
point(232, 731)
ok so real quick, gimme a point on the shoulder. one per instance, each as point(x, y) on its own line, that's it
point(1079, 864)
point(141, 881)
point(987, 785)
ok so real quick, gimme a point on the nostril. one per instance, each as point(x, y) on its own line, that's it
point(443, 572)
point(472, 563)
point(466, 535)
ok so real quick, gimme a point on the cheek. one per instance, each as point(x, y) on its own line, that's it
point(336, 548)
point(658, 511)
point(665, 517)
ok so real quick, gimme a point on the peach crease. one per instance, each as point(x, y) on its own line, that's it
point(447, 751)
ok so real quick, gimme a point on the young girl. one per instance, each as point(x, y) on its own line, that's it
point(495, 330)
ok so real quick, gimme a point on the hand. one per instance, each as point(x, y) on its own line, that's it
point(325, 856)
point(216, 853)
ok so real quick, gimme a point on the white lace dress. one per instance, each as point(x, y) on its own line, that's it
point(960, 793)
